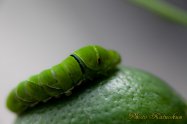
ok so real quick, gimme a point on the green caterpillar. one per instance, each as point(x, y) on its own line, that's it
point(83, 64)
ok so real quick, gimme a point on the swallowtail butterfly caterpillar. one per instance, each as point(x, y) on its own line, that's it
point(83, 64)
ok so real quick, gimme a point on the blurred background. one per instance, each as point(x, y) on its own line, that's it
point(34, 35)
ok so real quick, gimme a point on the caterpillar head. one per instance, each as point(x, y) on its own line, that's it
point(98, 58)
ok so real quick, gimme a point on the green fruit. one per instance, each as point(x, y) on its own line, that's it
point(127, 96)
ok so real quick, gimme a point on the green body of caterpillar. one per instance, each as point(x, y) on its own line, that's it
point(83, 64)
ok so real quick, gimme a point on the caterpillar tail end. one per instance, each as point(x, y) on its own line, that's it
point(13, 104)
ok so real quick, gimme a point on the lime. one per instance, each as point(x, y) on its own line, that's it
point(127, 96)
